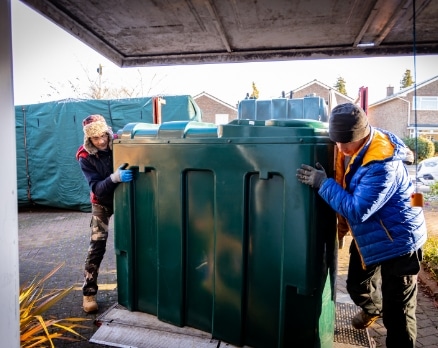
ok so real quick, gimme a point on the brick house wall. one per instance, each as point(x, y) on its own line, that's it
point(211, 106)
point(391, 116)
point(425, 116)
point(395, 113)
point(322, 91)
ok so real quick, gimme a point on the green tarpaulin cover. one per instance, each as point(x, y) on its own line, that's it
point(48, 135)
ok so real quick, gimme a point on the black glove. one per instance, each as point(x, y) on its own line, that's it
point(312, 176)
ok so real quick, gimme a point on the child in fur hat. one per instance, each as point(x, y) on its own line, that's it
point(96, 161)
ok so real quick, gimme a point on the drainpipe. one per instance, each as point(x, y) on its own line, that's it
point(409, 109)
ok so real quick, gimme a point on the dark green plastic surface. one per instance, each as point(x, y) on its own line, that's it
point(41, 128)
point(215, 232)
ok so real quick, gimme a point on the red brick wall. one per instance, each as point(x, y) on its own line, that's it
point(397, 114)
point(320, 91)
point(392, 116)
point(211, 107)
point(425, 116)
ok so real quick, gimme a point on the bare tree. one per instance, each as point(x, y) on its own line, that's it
point(98, 86)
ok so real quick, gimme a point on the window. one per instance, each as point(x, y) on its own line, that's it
point(425, 103)
point(221, 118)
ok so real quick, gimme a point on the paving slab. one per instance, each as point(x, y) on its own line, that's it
point(50, 236)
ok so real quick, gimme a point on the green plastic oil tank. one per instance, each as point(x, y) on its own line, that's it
point(215, 232)
point(310, 107)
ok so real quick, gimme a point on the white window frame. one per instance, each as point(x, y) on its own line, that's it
point(221, 118)
point(425, 103)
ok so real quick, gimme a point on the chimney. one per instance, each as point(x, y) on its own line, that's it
point(389, 91)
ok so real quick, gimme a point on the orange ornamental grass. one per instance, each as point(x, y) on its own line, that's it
point(35, 331)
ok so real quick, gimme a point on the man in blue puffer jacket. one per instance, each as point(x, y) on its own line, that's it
point(371, 193)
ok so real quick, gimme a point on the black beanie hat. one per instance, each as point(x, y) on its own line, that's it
point(348, 123)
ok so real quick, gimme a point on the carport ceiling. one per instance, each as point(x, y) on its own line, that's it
point(138, 33)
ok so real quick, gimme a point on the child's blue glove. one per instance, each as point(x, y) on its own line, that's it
point(125, 175)
point(121, 174)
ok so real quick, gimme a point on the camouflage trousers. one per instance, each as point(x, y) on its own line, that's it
point(100, 217)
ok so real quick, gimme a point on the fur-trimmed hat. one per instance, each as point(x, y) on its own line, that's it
point(348, 123)
point(95, 126)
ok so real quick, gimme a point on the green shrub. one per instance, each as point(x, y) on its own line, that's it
point(435, 144)
point(434, 188)
point(430, 256)
point(423, 148)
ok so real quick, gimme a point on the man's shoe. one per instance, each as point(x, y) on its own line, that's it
point(362, 320)
point(90, 304)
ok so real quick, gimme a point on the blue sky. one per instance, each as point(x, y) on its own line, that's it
point(47, 60)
